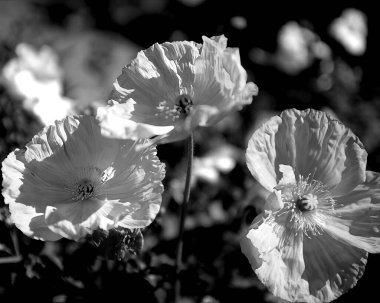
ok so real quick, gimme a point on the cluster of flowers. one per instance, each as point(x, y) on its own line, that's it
point(85, 173)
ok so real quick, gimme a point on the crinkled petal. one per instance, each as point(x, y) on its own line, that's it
point(34, 183)
point(314, 144)
point(12, 169)
point(31, 223)
point(274, 201)
point(84, 145)
point(288, 176)
point(75, 141)
point(136, 184)
point(278, 263)
point(220, 79)
point(231, 63)
point(115, 122)
point(213, 114)
point(48, 179)
point(75, 220)
point(38, 176)
point(155, 78)
point(356, 219)
point(209, 75)
point(29, 219)
point(212, 82)
point(301, 268)
point(331, 267)
point(261, 154)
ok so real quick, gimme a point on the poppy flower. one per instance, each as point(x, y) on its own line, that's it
point(170, 89)
point(70, 180)
point(322, 216)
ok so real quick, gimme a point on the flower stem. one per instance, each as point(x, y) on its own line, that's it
point(185, 202)
point(15, 240)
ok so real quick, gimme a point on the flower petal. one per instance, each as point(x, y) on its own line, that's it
point(115, 122)
point(136, 184)
point(220, 79)
point(277, 263)
point(301, 268)
point(78, 180)
point(288, 176)
point(31, 183)
point(75, 141)
point(261, 154)
point(75, 220)
point(356, 218)
point(274, 201)
point(314, 144)
point(167, 82)
point(331, 267)
point(31, 223)
point(231, 63)
point(155, 78)
point(40, 230)
point(37, 177)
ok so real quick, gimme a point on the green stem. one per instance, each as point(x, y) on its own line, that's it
point(185, 202)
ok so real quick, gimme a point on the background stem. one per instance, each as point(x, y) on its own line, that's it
point(185, 202)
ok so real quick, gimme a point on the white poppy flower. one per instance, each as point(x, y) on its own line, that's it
point(169, 89)
point(71, 180)
point(323, 215)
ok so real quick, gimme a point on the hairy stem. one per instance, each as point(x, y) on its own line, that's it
point(185, 202)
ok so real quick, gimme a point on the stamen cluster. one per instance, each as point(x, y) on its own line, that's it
point(307, 203)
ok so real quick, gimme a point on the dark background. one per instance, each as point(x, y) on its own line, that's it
point(216, 271)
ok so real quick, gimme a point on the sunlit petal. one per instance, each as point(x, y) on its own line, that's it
point(357, 216)
point(331, 267)
point(172, 88)
point(71, 180)
point(311, 142)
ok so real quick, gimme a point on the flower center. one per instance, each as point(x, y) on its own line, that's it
point(83, 190)
point(181, 108)
point(184, 104)
point(307, 202)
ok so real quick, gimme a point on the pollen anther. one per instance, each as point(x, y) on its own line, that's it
point(184, 104)
point(307, 202)
point(83, 190)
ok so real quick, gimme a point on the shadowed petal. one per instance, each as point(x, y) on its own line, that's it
point(74, 220)
point(77, 180)
point(34, 183)
point(301, 268)
point(314, 144)
point(277, 258)
point(115, 122)
point(31, 223)
point(157, 76)
point(220, 79)
point(356, 219)
point(331, 267)
point(40, 230)
point(181, 85)
point(136, 182)
point(261, 154)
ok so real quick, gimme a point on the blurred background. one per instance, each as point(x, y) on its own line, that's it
point(60, 57)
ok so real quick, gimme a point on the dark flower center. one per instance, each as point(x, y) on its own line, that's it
point(83, 190)
point(307, 202)
point(184, 104)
